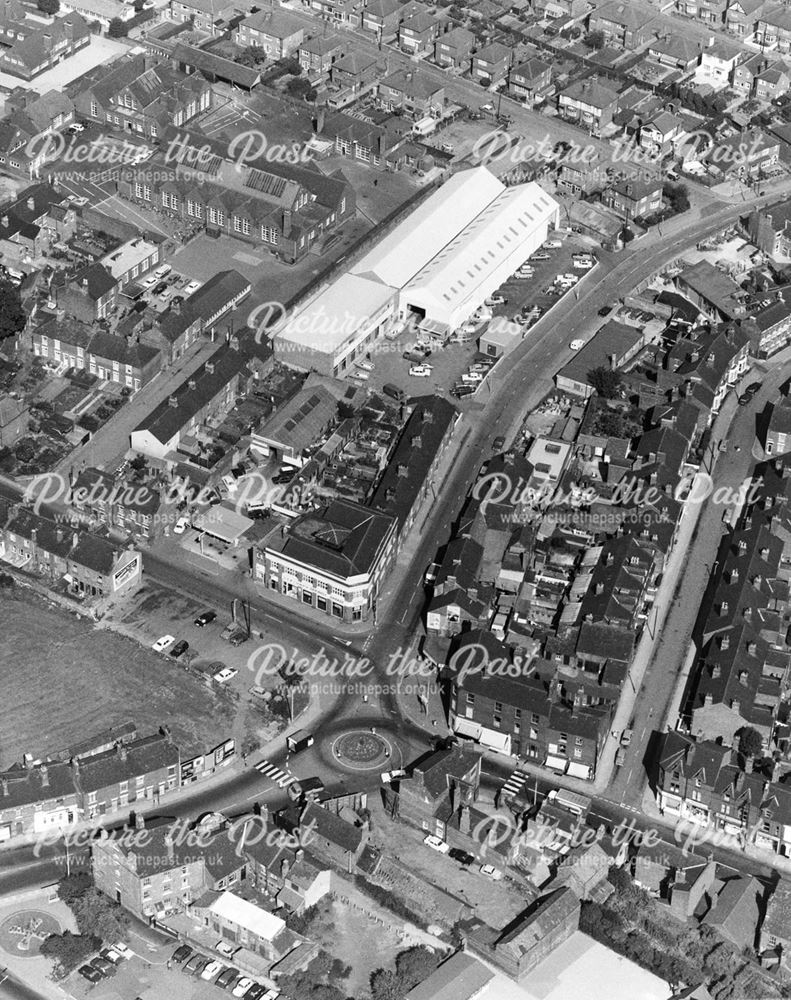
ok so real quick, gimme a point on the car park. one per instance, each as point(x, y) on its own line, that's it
point(162, 644)
point(211, 970)
point(179, 649)
point(88, 972)
point(227, 978)
point(226, 674)
point(436, 844)
point(182, 953)
point(420, 371)
point(196, 964)
point(205, 618)
point(491, 872)
point(242, 986)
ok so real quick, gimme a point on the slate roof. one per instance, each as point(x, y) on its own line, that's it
point(143, 756)
point(546, 914)
point(327, 825)
point(343, 539)
point(21, 786)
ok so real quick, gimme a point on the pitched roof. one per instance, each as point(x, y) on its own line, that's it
point(143, 756)
point(461, 977)
point(538, 922)
point(327, 825)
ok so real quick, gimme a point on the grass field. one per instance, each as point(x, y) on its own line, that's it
point(64, 680)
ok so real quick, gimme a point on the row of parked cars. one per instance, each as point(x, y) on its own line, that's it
point(464, 858)
point(105, 963)
point(225, 976)
point(472, 378)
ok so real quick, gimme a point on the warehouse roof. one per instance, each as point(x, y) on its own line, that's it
point(430, 227)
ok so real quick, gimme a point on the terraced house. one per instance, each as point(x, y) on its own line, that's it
point(287, 209)
point(140, 97)
point(140, 771)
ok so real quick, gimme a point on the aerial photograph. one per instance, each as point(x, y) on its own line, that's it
point(395, 500)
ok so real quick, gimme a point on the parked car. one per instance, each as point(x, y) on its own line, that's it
point(462, 390)
point(205, 618)
point(88, 972)
point(192, 287)
point(179, 649)
point(162, 644)
point(539, 256)
point(102, 965)
point(491, 872)
point(620, 758)
point(497, 300)
point(463, 857)
point(472, 377)
point(211, 970)
point(366, 366)
point(626, 737)
point(111, 955)
point(576, 345)
point(242, 986)
point(552, 245)
point(255, 992)
point(182, 953)
point(196, 964)
point(227, 978)
point(753, 387)
point(226, 948)
point(181, 525)
point(226, 674)
point(238, 638)
point(436, 844)
point(499, 443)
point(76, 127)
point(160, 288)
point(420, 371)
point(123, 950)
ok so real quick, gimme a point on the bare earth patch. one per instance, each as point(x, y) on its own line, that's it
point(64, 679)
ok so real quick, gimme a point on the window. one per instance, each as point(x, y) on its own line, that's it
point(498, 706)
point(534, 719)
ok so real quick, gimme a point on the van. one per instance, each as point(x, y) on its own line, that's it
point(394, 392)
point(162, 272)
point(299, 741)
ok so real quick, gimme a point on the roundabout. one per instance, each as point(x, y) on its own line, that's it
point(21, 934)
point(362, 750)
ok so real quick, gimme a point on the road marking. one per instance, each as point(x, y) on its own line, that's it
point(281, 778)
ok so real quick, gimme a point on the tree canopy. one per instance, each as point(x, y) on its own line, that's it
point(605, 381)
point(12, 315)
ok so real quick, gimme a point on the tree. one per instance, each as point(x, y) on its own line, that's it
point(72, 887)
point(298, 86)
point(750, 742)
point(12, 315)
point(385, 985)
point(67, 951)
point(290, 65)
point(594, 40)
point(252, 55)
point(98, 916)
point(117, 28)
point(605, 381)
point(48, 6)
point(414, 965)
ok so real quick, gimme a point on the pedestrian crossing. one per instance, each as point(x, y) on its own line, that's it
point(514, 784)
point(280, 777)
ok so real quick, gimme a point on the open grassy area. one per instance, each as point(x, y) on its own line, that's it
point(63, 679)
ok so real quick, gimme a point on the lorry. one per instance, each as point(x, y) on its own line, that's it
point(298, 741)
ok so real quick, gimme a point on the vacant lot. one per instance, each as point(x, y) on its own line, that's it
point(64, 679)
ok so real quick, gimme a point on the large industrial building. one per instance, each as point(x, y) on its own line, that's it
point(433, 270)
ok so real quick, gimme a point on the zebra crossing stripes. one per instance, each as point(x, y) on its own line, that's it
point(281, 778)
point(514, 784)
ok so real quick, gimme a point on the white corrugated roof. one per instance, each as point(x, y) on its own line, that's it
point(336, 313)
point(492, 237)
point(433, 224)
point(248, 915)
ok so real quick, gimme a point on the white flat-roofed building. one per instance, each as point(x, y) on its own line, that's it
point(132, 260)
point(339, 325)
